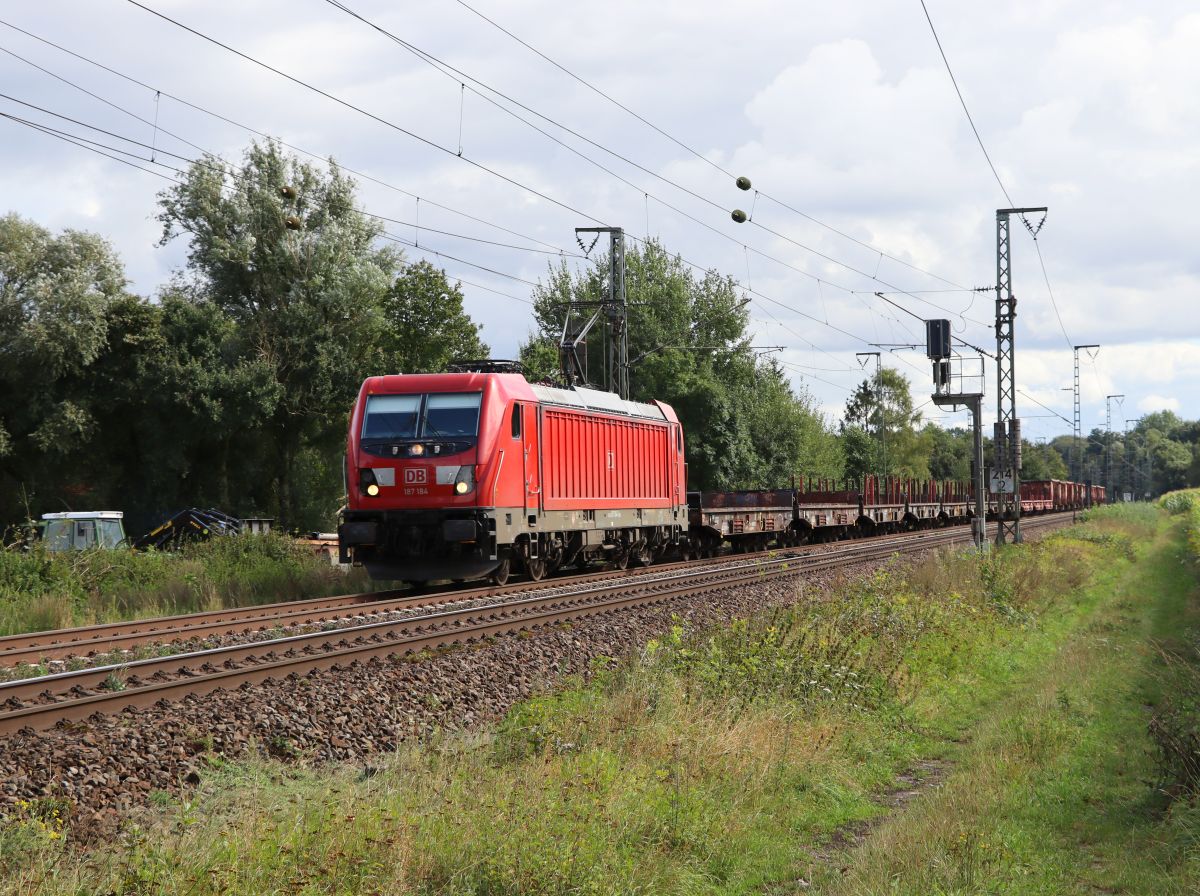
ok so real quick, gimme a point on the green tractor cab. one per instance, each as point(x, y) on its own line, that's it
point(77, 531)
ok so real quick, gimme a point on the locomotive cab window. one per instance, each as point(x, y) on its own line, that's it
point(440, 415)
point(516, 421)
point(391, 417)
point(452, 414)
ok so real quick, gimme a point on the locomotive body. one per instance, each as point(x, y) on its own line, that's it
point(465, 475)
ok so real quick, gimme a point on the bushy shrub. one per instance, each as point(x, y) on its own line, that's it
point(1178, 502)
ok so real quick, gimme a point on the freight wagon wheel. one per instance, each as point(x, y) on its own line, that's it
point(501, 573)
point(536, 569)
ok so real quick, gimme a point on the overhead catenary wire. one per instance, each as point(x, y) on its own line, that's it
point(99, 148)
point(963, 102)
point(432, 144)
point(232, 169)
point(690, 150)
point(426, 141)
point(757, 293)
point(259, 133)
point(456, 75)
point(50, 132)
point(995, 173)
point(229, 168)
point(1050, 291)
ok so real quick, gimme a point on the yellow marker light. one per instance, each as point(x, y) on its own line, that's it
point(372, 489)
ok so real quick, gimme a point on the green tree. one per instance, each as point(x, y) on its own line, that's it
point(282, 250)
point(903, 450)
point(539, 355)
point(1040, 462)
point(950, 452)
point(55, 296)
point(425, 326)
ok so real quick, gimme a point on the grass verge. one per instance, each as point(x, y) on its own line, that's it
point(41, 590)
point(746, 760)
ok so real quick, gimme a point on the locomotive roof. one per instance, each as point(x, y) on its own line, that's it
point(516, 385)
point(596, 400)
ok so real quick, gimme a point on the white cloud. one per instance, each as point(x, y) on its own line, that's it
point(1152, 403)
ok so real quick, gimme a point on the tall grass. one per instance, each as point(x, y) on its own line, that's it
point(42, 590)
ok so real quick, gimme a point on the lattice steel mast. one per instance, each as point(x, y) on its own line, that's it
point(1076, 450)
point(1008, 427)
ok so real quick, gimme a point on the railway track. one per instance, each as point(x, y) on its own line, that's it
point(38, 648)
point(40, 703)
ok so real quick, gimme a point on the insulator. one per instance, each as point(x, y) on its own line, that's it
point(291, 222)
point(739, 216)
point(287, 191)
point(743, 183)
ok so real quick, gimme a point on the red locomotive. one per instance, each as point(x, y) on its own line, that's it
point(466, 475)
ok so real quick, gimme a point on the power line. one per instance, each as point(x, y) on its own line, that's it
point(967, 111)
point(431, 143)
point(99, 98)
point(409, 243)
point(233, 170)
point(1045, 276)
point(456, 74)
point(695, 153)
point(91, 127)
point(50, 132)
point(251, 130)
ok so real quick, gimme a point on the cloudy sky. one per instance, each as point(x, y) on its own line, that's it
point(843, 115)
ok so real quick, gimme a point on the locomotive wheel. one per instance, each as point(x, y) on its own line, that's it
point(500, 576)
point(621, 560)
point(642, 556)
point(536, 569)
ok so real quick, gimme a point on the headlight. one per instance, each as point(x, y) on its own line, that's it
point(416, 450)
point(465, 480)
point(372, 489)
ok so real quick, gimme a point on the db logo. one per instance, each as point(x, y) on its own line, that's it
point(415, 476)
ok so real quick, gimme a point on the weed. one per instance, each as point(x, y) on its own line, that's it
point(114, 681)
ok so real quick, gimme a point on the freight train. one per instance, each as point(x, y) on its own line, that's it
point(483, 474)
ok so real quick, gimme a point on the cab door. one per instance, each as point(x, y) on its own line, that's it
point(530, 435)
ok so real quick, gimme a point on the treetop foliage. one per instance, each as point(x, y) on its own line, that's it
point(232, 387)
